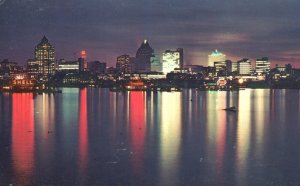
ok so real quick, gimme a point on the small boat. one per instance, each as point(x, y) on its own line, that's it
point(136, 85)
point(233, 109)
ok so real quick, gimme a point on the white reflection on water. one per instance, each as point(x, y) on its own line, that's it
point(261, 118)
point(243, 135)
point(170, 138)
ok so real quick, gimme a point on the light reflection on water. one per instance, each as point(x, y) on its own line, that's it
point(93, 136)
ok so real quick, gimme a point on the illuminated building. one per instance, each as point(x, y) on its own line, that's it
point(45, 57)
point(233, 66)
point(156, 65)
point(83, 55)
point(97, 67)
point(143, 56)
point(124, 64)
point(68, 66)
point(220, 66)
point(244, 67)
point(215, 56)
point(32, 67)
point(171, 60)
point(262, 66)
point(21, 82)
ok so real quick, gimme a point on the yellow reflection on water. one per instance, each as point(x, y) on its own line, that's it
point(261, 110)
point(243, 134)
point(170, 137)
point(216, 129)
point(212, 116)
point(48, 113)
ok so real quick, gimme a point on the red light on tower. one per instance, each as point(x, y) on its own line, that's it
point(83, 54)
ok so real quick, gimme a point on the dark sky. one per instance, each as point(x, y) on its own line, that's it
point(108, 28)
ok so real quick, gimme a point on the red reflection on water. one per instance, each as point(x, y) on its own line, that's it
point(22, 137)
point(83, 130)
point(137, 130)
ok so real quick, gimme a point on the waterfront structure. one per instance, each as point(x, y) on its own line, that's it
point(143, 56)
point(21, 82)
point(44, 58)
point(215, 56)
point(97, 67)
point(124, 64)
point(244, 67)
point(172, 59)
point(262, 66)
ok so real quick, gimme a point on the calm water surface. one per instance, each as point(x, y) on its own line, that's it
point(98, 137)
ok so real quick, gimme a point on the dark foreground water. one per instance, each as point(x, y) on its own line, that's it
point(98, 137)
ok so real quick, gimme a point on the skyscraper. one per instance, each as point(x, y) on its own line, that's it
point(45, 57)
point(216, 56)
point(124, 64)
point(263, 65)
point(171, 60)
point(143, 56)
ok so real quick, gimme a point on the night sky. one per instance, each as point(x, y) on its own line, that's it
point(109, 28)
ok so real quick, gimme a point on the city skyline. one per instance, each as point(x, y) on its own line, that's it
point(109, 29)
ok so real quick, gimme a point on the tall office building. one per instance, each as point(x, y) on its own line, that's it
point(244, 67)
point(215, 56)
point(171, 60)
point(263, 65)
point(124, 64)
point(45, 57)
point(156, 65)
point(143, 56)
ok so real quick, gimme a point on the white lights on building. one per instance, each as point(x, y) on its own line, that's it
point(244, 67)
point(171, 60)
point(220, 65)
point(215, 56)
point(262, 66)
point(68, 65)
